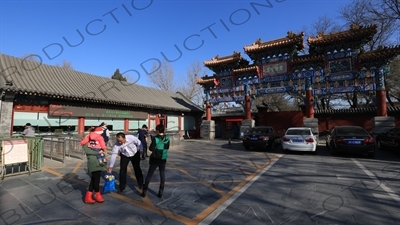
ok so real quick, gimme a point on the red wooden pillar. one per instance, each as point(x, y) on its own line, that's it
point(248, 107)
point(309, 104)
point(81, 125)
point(126, 125)
point(208, 111)
point(381, 103)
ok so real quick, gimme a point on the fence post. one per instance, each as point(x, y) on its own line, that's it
point(68, 146)
point(64, 149)
point(51, 148)
point(40, 153)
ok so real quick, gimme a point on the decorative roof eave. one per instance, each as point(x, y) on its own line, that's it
point(355, 33)
point(307, 59)
point(245, 70)
point(234, 58)
point(382, 53)
point(92, 100)
point(354, 110)
point(290, 40)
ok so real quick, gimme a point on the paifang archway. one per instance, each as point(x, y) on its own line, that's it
point(336, 63)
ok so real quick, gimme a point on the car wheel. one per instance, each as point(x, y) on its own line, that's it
point(371, 155)
point(315, 152)
point(379, 145)
point(332, 150)
point(272, 145)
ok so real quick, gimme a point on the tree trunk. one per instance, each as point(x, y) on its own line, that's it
point(355, 100)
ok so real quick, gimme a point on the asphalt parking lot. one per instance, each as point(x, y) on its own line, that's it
point(211, 182)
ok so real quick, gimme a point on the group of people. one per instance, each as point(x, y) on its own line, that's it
point(130, 149)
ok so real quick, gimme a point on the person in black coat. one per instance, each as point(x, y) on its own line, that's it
point(143, 133)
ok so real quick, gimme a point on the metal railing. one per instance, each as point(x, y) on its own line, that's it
point(174, 136)
point(58, 147)
point(35, 158)
point(54, 148)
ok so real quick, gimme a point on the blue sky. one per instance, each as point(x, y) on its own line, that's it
point(145, 29)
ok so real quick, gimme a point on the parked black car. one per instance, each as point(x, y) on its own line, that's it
point(389, 139)
point(353, 139)
point(262, 137)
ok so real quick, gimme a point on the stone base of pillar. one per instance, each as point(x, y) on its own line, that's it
point(246, 125)
point(313, 124)
point(381, 124)
point(207, 129)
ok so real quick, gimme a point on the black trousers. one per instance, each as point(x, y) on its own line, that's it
point(135, 160)
point(145, 150)
point(95, 182)
point(152, 169)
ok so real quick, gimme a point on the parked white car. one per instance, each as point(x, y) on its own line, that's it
point(299, 139)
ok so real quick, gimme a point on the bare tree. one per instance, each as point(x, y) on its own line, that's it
point(325, 24)
point(30, 56)
point(360, 12)
point(66, 65)
point(393, 81)
point(276, 102)
point(386, 9)
point(162, 76)
point(190, 89)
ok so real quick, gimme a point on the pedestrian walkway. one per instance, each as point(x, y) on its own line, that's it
point(200, 177)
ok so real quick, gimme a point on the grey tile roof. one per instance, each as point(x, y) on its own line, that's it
point(355, 110)
point(51, 81)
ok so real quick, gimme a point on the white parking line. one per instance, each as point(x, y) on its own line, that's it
point(230, 200)
point(382, 185)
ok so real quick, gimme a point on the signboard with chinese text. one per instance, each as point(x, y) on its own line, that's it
point(340, 66)
point(73, 111)
point(31, 108)
point(272, 69)
point(14, 151)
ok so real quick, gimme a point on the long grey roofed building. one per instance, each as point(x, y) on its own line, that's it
point(33, 78)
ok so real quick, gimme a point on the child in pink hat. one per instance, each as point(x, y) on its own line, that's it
point(95, 141)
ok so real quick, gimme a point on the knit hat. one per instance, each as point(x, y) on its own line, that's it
point(98, 130)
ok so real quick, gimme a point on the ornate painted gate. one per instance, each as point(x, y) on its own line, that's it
point(336, 64)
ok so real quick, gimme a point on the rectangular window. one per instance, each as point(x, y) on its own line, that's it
point(152, 124)
point(134, 125)
point(22, 118)
point(173, 123)
point(118, 125)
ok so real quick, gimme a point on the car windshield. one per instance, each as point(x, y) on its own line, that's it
point(260, 131)
point(350, 131)
point(298, 132)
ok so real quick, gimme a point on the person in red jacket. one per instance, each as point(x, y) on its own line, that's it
point(95, 141)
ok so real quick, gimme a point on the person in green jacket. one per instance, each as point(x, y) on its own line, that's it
point(158, 159)
point(95, 169)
